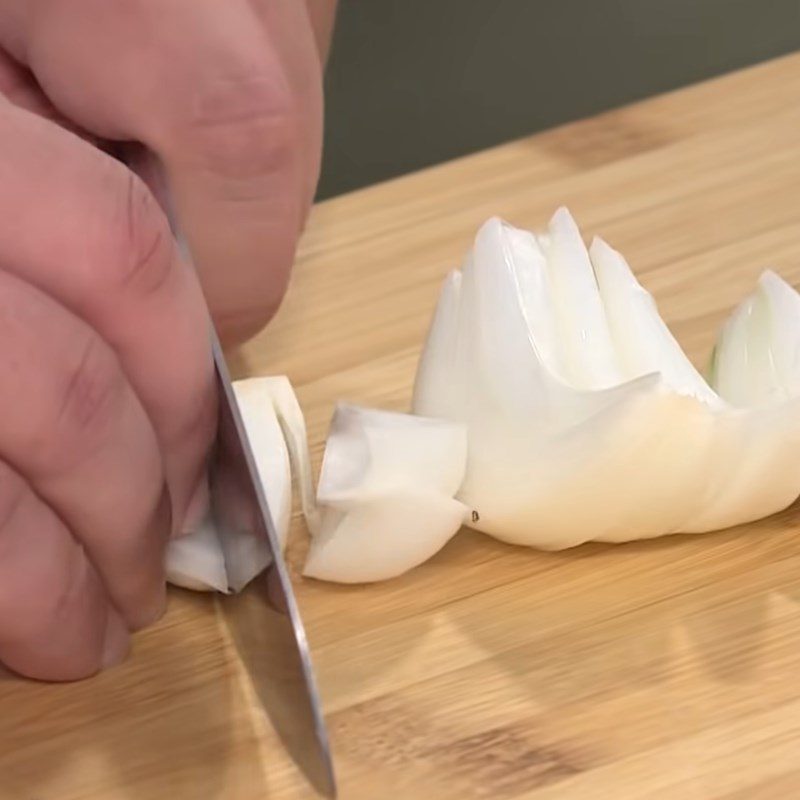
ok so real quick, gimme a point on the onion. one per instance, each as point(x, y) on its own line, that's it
point(384, 503)
point(194, 560)
point(585, 418)
point(386, 494)
point(552, 406)
point(204, 559)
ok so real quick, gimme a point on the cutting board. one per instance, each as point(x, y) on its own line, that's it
point(664, 669)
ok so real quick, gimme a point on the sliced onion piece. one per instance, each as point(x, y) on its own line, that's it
point(386, 494)
point(784, 313)
point(195, 560)
point(256, 398)
point(757, 356)
point(742, 370)
point(372, 453)
point(583, 326)
point(642, 340)
point(727, 371)
point(207, 559)
point(527, 260)
point(293, 424)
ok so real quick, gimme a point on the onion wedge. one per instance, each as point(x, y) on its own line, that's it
point(756, 360)
point(385, 494)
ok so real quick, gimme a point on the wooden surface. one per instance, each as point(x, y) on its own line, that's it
point(666, 669)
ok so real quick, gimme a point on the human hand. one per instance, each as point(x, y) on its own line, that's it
point(107, 410)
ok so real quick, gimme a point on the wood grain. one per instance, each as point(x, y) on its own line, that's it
point(659, 670)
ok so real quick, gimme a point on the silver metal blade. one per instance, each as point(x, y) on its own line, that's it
point(264, 619)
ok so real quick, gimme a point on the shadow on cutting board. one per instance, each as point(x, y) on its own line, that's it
point(164, 724)
point(607, 650)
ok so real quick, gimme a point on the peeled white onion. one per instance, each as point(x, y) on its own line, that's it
point(585, 418)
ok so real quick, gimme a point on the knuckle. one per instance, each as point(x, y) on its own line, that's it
point(142, 243)
point(244, 127)
point(89, 393)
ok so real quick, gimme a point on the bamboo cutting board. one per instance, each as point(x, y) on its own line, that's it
point(660, 670)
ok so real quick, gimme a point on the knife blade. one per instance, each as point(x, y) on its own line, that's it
point(264, 620)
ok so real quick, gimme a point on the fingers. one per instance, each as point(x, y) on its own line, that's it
point(19, 86)
point(76, 430)
point(55, 619)
point(235, 171)
point(86, 231)
point(231, 138)
point(208, 89)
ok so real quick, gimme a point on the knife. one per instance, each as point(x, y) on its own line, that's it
point(263, 619)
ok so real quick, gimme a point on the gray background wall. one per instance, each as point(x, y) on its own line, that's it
point(415, 82)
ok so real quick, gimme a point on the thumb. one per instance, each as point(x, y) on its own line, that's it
point(206, 91)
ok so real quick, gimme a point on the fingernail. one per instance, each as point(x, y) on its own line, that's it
point(117, 642)
point(197, 508)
